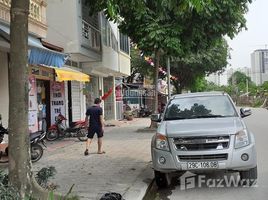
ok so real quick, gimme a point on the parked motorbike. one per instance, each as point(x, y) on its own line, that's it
point(59, 130)
point(36, 139)
point(144, 112)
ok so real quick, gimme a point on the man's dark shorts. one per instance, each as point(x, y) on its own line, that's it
point(92, 131)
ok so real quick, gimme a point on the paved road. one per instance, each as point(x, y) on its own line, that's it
point(119, 170)
point(257, 123)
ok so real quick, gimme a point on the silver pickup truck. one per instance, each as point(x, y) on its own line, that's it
point(202, 132)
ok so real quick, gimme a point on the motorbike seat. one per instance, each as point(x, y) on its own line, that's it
point(35, 134)
point(72, 124)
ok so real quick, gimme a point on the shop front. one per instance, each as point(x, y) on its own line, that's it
point(40, 79)
point(109, 98)
point(48, 83)
point(49, 95)
point(119, 99)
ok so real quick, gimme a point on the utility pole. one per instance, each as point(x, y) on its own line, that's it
point(247, 86)
point(168, 77)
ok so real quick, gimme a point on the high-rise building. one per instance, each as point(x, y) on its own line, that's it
point(259, 66)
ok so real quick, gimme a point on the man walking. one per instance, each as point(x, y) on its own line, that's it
point(96, 125)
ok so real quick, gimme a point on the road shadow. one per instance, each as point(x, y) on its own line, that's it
point(194, 183)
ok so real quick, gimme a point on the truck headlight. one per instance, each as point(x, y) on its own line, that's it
point(241, 139)
point(161, 142)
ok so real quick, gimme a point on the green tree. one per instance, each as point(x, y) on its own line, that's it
point(174, 27)
point(199, 85)
point(241, 82)
point(193, 68)
point(239, 77)
point(139, 66)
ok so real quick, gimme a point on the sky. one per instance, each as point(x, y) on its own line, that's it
point(256, 37)
point(247, 41)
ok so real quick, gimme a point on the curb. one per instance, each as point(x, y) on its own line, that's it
point(146, 130)
point(141, 186)
point(147, 193)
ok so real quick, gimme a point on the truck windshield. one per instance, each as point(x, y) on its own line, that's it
point(199, 107)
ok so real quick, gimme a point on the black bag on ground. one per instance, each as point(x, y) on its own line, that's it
point(111, 196)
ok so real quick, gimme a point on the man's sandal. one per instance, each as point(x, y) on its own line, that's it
point(86, 152)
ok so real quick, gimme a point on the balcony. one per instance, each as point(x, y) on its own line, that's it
point(37, 16)
point(91, 37)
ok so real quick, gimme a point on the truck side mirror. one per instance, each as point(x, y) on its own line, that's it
point(244, 112)
point(156, 117)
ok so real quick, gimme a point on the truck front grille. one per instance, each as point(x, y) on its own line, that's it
point(201, 143)
point(215, 157)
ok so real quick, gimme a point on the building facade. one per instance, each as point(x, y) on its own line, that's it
point(48, 76)
point(37, 29)
point(96, 47)
point(259, 66)
point(92, 44)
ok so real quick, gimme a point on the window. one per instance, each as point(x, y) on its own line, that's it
point(108, 36)
point(124, 43)
point(199, 107)
point(104, 30)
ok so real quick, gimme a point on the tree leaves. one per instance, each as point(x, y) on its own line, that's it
point(186, 29)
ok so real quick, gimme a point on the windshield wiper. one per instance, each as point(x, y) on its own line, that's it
point(175, 118)
point(207, 116)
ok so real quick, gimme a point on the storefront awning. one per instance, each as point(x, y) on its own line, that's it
point(38, 54)
point(67, 74)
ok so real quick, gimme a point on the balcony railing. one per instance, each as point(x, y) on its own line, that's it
point(91, 36)
point(37, 16)
point(35, 9)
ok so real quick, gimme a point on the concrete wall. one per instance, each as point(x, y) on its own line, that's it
point(4, 97)
point(63, 29)
point(124, 63)
point(110, 57)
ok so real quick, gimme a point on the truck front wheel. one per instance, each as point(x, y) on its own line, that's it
point(249, 177)
point(161, 179)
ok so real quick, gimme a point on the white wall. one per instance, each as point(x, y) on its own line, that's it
point(124, 63)
point(63, 18)
point(110, 58)
point(4, 97)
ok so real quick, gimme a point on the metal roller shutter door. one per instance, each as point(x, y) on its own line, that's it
point(76, 101)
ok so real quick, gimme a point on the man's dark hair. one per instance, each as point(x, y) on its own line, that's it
point(97, 101)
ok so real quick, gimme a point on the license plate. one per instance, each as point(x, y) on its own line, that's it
point(203, 165)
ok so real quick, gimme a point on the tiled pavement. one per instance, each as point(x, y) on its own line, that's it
point(125, 168)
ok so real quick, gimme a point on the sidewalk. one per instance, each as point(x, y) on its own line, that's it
point(125, 168)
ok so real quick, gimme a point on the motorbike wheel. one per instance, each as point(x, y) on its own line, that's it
point(82, 135)
point(52, 135)
point(36, 152)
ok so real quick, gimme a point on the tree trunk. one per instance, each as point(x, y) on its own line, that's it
point(177, 87)
point(157, 58)
point(20, 168)
point(19, 153)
